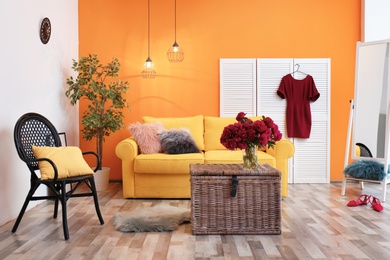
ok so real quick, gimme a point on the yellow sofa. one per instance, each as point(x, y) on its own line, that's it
point(162, 175)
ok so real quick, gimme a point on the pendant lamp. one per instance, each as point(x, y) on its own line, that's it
point(148, 71)
point(175, 53)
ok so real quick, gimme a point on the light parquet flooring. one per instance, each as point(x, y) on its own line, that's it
point(316, 222)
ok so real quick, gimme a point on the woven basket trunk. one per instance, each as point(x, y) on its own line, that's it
point(254, 207)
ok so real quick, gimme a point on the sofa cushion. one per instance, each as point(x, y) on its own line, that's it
point(178, 141)
point(166, 163)
point(228, 156)
point(162, 186)
point(194, 124)
point(146, 136)
point(213, 128)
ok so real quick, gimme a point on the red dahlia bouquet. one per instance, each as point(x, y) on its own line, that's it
point(247, 133)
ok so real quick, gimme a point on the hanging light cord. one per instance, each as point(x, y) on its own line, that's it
point(175, 20)
point(148, 29)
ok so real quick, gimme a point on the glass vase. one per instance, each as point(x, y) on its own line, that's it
point(249, 157)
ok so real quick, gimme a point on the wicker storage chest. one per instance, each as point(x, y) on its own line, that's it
point(226, 199)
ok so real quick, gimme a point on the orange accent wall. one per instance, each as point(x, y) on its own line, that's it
point(210, 30)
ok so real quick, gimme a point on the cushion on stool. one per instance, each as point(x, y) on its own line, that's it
point(364, 169)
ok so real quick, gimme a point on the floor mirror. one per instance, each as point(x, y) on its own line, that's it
point(369, 110)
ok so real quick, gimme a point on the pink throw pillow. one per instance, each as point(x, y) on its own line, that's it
point(146, 136)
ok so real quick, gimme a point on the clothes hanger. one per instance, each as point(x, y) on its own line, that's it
point(297, 70)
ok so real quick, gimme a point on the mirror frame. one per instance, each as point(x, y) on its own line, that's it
point(361, 71)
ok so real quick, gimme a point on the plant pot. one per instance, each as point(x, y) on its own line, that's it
point(102, 178)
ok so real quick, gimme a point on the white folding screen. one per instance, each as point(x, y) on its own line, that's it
point(310, 163)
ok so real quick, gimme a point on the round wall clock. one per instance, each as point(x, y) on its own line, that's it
point(45, 30)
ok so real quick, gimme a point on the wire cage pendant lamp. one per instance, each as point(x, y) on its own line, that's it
point(175, 53)
point(148, 71)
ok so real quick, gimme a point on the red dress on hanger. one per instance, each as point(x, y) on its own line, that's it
point(298, 93)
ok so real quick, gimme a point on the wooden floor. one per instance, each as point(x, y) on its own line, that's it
point(317, 224)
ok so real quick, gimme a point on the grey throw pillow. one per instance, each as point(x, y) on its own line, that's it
point(177, 141)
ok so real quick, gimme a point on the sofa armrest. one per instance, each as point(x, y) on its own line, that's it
point(283, 150)
point(127, 150)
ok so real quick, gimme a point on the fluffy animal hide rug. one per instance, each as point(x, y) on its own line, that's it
point(157, 218)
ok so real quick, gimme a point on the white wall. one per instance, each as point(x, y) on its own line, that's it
point(376, 20)
point(32, 79)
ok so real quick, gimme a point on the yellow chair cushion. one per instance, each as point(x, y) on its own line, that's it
point(68, 160)
point(213, 130)
point(166, 163)
point(194, 124)
point(230, 157)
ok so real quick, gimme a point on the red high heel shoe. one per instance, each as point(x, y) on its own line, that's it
point(361, 200)
point(376, 204)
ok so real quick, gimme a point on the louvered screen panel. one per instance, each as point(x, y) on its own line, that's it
point(319, 69)
point(237, 87)
point(269, 75)
point(311, 159)
point(311, 156)
point(307, 155)
point(310, 163)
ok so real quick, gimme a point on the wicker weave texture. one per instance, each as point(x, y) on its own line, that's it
point(256, 208)
point(232, 169)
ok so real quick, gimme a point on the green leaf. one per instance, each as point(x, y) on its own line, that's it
point(98, 84)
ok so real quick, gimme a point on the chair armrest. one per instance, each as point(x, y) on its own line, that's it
point(98, 161)
point(127, 150)
point(52, 165)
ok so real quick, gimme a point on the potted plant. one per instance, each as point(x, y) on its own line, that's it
point(96, 83)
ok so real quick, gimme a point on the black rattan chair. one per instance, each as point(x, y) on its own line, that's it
point(34, 129)
point(364, 151)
